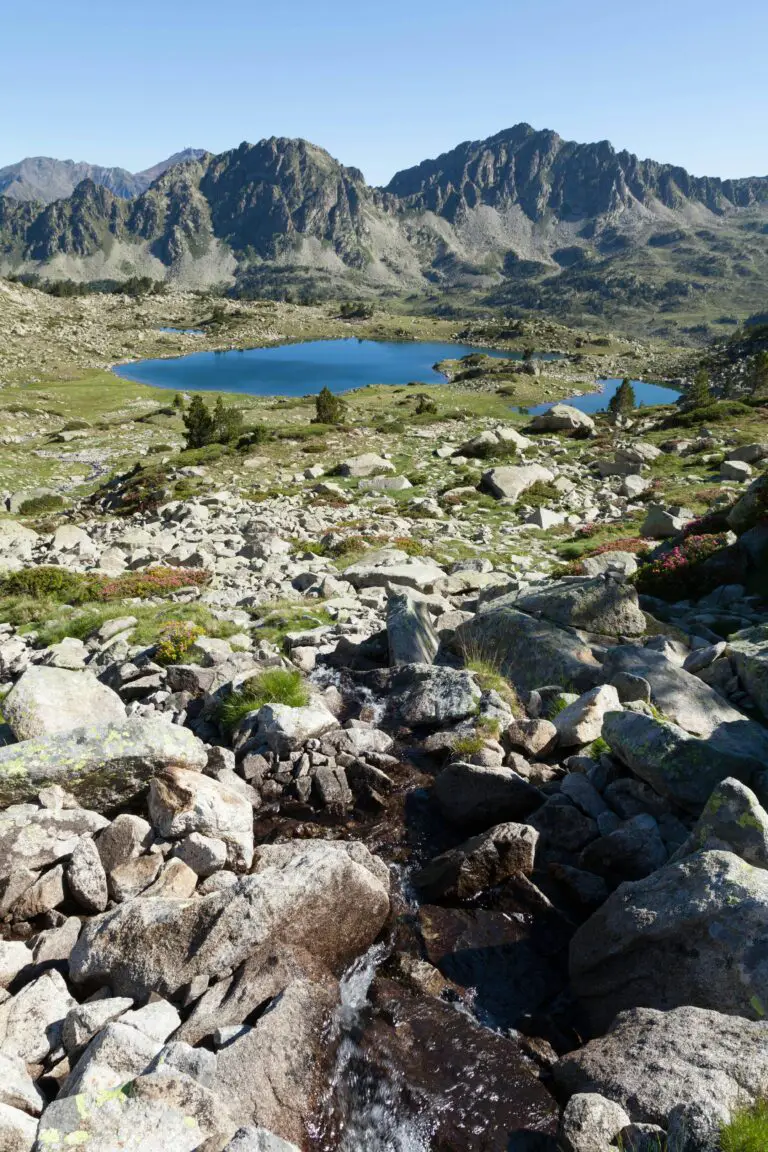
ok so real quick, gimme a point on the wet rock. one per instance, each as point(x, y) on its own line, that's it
point(181, 802)
point(676, 765)
point(688, 934)
point(652, 1063)
point(49, 701)
point(319, 898)
point(473, 796)
point(411, 635)
point(422, 694)
point(103, 765)
point(590, 1123)
point(159, 1111)
point(272, 1075)
point(529, 652)
point(478, 863)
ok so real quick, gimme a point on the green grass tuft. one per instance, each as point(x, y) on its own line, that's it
point(274, 686)
point(747, 1131)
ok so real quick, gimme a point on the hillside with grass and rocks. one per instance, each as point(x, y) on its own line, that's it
point(385, 771)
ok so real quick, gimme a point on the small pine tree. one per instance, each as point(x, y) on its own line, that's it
point(199, 424)
point(228, 422)
point(700, 392)
point(178, 402)
point(425, 406)
point(329, 409)
point(623, 400)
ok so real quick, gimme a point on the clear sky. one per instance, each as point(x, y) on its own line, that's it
point(383, 84)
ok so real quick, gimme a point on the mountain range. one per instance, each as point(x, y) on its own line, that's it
point(44, 179)
point(521, 220)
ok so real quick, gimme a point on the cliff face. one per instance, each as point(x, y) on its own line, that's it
point(44, 179)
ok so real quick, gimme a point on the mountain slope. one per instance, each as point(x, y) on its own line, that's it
point(523, 220)
point(45, 179)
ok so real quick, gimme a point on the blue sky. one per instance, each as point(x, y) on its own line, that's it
point(383, 85)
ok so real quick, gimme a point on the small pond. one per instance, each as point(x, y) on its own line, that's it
point(591, 402)
point(305, 368)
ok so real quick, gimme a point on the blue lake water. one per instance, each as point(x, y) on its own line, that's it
point(303, 369)
point(645, 394)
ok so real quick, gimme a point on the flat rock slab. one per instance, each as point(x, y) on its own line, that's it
point(46, 701)
point(103, 765)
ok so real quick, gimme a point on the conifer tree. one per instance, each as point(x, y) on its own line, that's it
point(623, 400)
point(329, 409)
point(199, 424)
point(700, 392)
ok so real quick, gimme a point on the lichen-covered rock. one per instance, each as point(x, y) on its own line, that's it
point(47, 701)
point(749, 652)
point(597, 604)
point(691, 933)
point(675, 764)
point(103, 765)
point(733, 820)
point(18, 1130)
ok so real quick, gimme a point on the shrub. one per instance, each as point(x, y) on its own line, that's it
point(176, 638)
point(257, 434)
point(48, 583)
point(677, 574)
point(329, 409)
point(274, 686)
point(425, 406)
point(151, 582)
point(37, 505)
point(747, 1130)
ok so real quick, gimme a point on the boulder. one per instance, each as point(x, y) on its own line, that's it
point(479, 863)
point(285, 728)
point(31, 1022)
point(691, 933)
point(582, 721)
point(84, 1021)
point(49, 701)
point(385, 484)
point(157, 1112)
point(676, 765)
point(597, 604)
point(661, 523)
point(509, 483)
point(34, 838)
point(86, 878)
point(748, 651)
point(528, 651)
point(653, 1063)
point(318, 897)
point(250, 1139)
point(623, 563)
point(590, 1123)
point(272, 1075)
point(181, 802)
point(16, 540)
point(103, 766)
point(369, 464)
point(732, 821)
point(411, 636)
point(383, 571)
point(749, 509)
point(422, 694)
point(17, 1088)
point(473, 796)
point(563, 418)
point(751, 453)
point(737, 470)
point(533, 738)
point(113, 1056)
point(18, 1130)
point(629, 852)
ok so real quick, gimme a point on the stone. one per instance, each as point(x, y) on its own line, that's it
point(159, 1111)
point(633, 486)
point(702, 658)
point(652, 1063)
point(18, 1130)
point(528, 651)
point(661, 523)
point(732, 821)
point(532, 738)
point(126, 837)
point(316, 896)
point(737, 470)
point(748, 651)
point(102, 765)
point(51, 701)
point(157, 1020)
point(582, 721)
point(271, 1076)
point(597, 604)
point(751, 453)
point(133, 876)
point(31, 1022)
point(176, 880)
point(252, 1139)
point(34, 838)
point(623, 563)
point(84, 1021)
point(411, 636)
point(86, 878)
point(181, 802)
point(678, 766)
point(369, 464)
point(385, 484)
point(17, 1088)
point(45, 894)
point(479, 863)
point(113, 1056)
point(423, 694)
point(285, 728)
point(563, 418)
point(590, 1123)
point(15, 956)
point(380, 571)
point(177, 1056)
point(473, 796)
point(690, 933)
point(203, 854)
point(630, 852)
point(509, 483)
